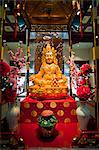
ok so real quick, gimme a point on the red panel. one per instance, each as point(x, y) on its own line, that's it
point(63, 109)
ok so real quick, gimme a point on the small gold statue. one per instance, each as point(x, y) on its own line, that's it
point(49, 79)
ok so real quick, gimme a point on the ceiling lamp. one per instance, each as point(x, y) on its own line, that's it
point(5, 5)
point(78, 12)
point(90, 6)
point(18, 13)
point(18, 6)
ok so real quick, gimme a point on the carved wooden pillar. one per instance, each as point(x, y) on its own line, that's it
point(70, 49)
point(28, 59)
point(94, 20)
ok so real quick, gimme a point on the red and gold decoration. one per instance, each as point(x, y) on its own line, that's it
point(64, 109)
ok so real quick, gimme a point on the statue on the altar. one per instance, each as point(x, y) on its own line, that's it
point(49, 79)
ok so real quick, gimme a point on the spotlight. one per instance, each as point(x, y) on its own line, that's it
point(20, 42)
point(4, 41)
point(96, 36)
point(5, 5)
point(18, 14)
point(18, 6)
point(77, 28)
point(78, 12)
point(90, 6)
point(21, 139)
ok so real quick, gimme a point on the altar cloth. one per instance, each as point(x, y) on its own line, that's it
point(64, 109)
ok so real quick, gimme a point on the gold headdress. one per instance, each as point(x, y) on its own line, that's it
point(51, 50)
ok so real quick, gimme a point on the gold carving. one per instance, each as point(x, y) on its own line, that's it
point(39, 105)
point(67, 120)
point(26, 105)
point(53, 104)
point(60, 112)
point(66, 104)
point(73, 112)
point(49, 80)
point(34, 113)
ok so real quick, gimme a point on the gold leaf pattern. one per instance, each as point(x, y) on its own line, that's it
point(39, 105)
point(73, 112)
point(66, 104)
point(67, 120)
point(53, 104)
point(60, 112)
point(33, 113)
point(26, 105)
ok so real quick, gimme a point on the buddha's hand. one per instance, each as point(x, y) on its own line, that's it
point(58, 77)
point(32, 77)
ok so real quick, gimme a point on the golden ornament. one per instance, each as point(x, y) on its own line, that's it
point(33, 113)
point(67, 120)
point(39, 105)
point(73, 112)
point(60, 112)
point(26, 105)
point(53, 105)
point(66, 104)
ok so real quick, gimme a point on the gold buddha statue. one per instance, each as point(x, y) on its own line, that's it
point(49, 79)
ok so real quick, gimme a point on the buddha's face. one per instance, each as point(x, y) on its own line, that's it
point(49, 58)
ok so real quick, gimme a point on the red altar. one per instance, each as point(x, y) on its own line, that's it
point(64, 109)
